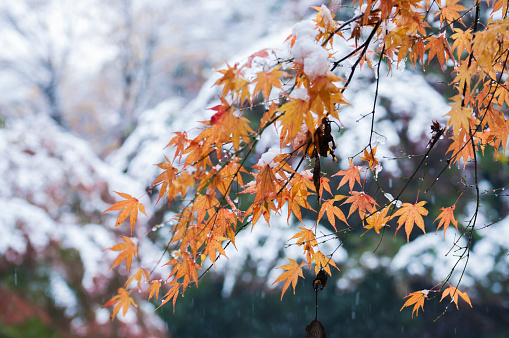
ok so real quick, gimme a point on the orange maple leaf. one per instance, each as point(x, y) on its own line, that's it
point(138, 276)
point(154, 288)
point(128, 251)
point(306, 238)
point(265, 184)
point(226, 126)
point(351, 176)
point(453, 292)
point(232, 79)
point(291, 275)
point(322, 261)
point(166, 177)
point(130, 206)
point(378, 220)
point(369, 156)
point(449, 13)
point(185, 266)
point(122, 300)
point(360, 201)
point(446, 217)
point(461, 149)
point(332, 211)
point(213, 246)
point(439, 47)
point(410, 214)
point(180, 141)
point(296, 111)
point(416, 298)
point(173, 293)
point(459, 117)
point(462, 40)
point(265, 81)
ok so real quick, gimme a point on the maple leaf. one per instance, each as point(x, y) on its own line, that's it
point(410, 214)
point(261, 53)
point(360, 201)
point(437, 47)
point(128, 251)
point(332, 211)
point(461, 148)
point(138, 276)
point(232, 79)
point(172, 293)
point(446, 217)
point(166, 177)
point(213, 246)
point(296, 111)
point(154, 288)
point(459, 116)
point(324, 94)
point(306, 238)
point(322, 261)
point(449, 13)
point(351, 176)
point(184, 266)
point(291, 275)
point(130, 206)
point(416, 298)
point(266, 184)
point(462, 40)
point(265, 81)
point(378, 220)
point(122, 300)
point(369, 156)
point(180, 142)
point(268, 116)
point(453, 293)
point(225, 124)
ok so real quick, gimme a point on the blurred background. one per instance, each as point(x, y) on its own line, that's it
point(90, 94)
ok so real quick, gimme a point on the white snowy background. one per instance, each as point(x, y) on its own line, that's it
point(56, 180)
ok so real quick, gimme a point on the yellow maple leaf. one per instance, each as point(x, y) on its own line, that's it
point(416, 298)
point(138, 276)
point(128, 251)
point(122, 300)
point(291, 275)
point(454, 293)
point(449, 13)
point(173, 293)
point(154, 288)
point(378, 220)
point(321, 261)
point(369, 156)
point(266, 80)
point(296, 111)
point(410, 214)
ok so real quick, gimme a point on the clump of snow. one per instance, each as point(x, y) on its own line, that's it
point(327, 17)
point(268, 157)
point(300, 93)
point(305, 51)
